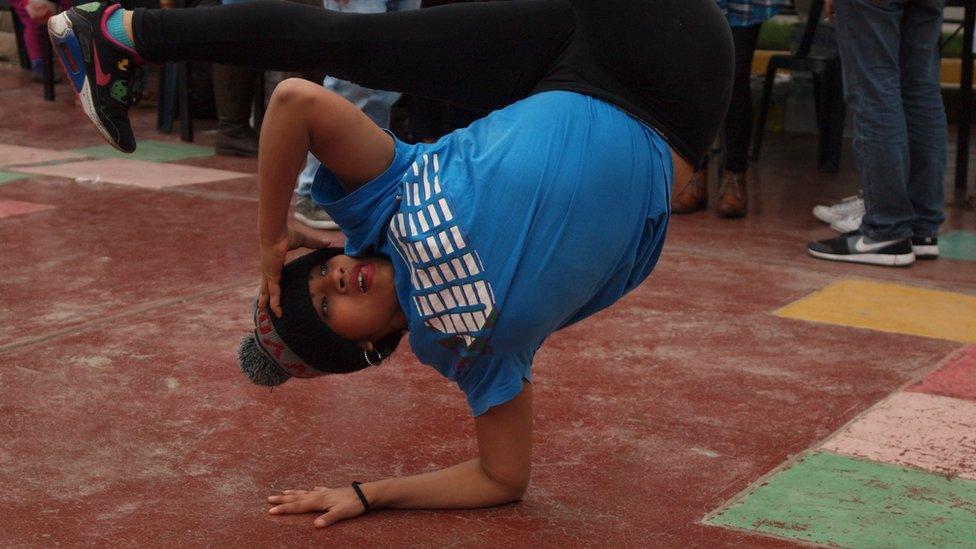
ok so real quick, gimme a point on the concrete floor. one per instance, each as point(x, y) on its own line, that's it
point(124, 420)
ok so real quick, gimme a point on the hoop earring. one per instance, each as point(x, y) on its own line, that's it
point(378, 357)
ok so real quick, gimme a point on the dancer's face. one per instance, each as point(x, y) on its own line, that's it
point(356, 298)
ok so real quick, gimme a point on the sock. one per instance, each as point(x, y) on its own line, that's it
point(116, 29)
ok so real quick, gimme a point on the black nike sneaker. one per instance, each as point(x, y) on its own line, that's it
point(926, 247)
point(855, 247)
point(105, 74)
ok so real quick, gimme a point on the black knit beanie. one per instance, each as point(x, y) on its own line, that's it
point(299, 344)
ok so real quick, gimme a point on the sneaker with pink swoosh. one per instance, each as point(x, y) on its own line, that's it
point(106, 75)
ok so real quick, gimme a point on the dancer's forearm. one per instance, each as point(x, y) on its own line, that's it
point(464, 486)
point(499, 475)
point(281, 154)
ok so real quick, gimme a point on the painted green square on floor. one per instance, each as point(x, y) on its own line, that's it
point(958, 245)
point(152, 151)
point(7, 176)
point(831, 499)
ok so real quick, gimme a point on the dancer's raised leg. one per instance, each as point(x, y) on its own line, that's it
point(478, 55)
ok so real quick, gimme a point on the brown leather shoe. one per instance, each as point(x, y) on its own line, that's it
point(693, 196)
point(236, 140)
point(732, 199)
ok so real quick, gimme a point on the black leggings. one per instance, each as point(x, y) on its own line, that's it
point(667, 62)
point(738, 123)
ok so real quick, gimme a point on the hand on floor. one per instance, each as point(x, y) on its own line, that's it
point(339, 504)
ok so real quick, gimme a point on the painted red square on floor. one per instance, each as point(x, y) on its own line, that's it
point(957, 378)
point(10, 208)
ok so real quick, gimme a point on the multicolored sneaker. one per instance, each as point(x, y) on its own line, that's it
point(105, 74)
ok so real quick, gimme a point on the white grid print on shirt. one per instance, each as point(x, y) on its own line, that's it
point(450, 290)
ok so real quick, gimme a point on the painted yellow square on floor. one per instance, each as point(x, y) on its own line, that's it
point(890, 308)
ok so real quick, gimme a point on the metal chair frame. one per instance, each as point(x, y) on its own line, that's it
point(828, 93)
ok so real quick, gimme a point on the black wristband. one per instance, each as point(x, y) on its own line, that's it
point(362, 497)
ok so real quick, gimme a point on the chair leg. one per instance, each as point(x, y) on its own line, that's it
point(19, 37)
point(258, 108)
point(166, 110)
point(818, 97)
point(186, 118)
point(48, 57)
point(822, 108)
point(836, 116)
point(763, 111)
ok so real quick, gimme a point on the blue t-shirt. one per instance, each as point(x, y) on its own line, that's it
point(527, 221)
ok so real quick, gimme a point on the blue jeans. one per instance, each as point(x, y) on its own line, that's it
point(890, 55)
point(374, 103)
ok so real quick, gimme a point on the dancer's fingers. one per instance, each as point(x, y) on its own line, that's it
point(274, 295)
point(263, 296)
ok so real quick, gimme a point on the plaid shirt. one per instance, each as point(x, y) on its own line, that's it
point(745, 13)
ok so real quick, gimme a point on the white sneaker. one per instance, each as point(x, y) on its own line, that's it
point(308, 213)
point(847, 224)
point(852, 205)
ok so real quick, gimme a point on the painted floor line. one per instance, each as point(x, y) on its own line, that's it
point(212, 195)
point(88, 326)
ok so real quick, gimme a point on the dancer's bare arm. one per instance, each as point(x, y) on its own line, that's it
point(499, 475)
point(303, 117)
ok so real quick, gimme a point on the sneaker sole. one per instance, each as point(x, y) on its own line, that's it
point(66, 47)
point(327, 225)
point(886, 260)
point(926, 252)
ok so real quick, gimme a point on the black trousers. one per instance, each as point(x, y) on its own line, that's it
point(738, 123)
point(667, 62)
